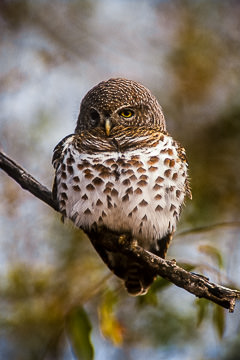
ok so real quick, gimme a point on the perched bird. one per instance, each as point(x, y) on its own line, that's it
point(122, 173)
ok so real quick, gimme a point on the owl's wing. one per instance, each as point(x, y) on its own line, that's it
point(58, 151)
point(182, 156)
point(163, 243)
point(57, 160)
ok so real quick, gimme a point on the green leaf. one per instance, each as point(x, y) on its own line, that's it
point(79, 329)
point(213, 252)
point(109, 324)
point(219, 320)
point(187, 266)
point(151, 297)
point(160, 284)
point(202, 310)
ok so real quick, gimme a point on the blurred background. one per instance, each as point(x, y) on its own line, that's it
point(57, 299)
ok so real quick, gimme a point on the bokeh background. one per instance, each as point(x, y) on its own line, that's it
point(57, 299)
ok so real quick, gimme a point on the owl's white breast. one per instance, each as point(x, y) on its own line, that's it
point(139, 191)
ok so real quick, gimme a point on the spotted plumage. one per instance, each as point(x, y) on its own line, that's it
point(122, 173)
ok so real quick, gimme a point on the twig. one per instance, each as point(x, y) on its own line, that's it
point(196, 284)
point(210, 227)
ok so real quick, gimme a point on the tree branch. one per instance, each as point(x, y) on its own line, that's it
point(26, 181)
point(196, 284)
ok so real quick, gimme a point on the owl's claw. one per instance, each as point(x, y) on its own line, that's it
point(125, 239)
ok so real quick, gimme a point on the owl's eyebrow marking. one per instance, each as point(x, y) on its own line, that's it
point(126, 106)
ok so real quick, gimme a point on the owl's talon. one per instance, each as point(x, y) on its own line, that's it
point(123, 239)
point(126, 240)
point(134, 243)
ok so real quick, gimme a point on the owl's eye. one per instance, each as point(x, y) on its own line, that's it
point(94, 117)
point(126, 113)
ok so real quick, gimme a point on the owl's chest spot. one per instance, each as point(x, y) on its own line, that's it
point(140, 191)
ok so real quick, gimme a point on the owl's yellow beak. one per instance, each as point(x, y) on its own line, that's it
point(108, 126)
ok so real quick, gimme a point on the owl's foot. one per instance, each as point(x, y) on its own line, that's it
point(123, 239)
point(137, 281)
point(126, 239)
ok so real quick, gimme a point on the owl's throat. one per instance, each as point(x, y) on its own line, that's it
point(115, 143)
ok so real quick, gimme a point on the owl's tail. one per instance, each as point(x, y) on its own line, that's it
point(137, 280)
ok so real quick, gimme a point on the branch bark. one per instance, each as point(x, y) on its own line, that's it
point(197, 285)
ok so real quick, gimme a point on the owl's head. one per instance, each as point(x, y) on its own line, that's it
point(119, 102)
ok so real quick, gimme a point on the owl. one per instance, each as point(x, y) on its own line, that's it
point(122, 173)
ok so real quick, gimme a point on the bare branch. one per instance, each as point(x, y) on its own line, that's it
point(196, 284)
point(27, 181)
